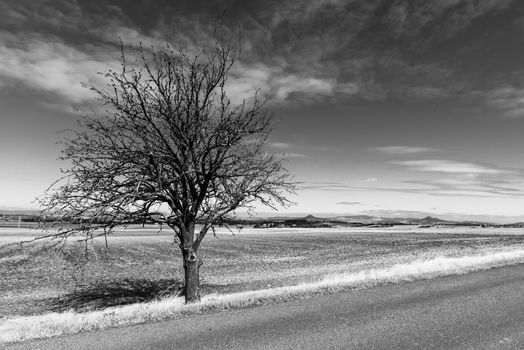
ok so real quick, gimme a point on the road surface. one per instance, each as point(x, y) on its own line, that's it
point(483, 310)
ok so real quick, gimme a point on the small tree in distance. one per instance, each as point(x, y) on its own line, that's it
point(170, 149)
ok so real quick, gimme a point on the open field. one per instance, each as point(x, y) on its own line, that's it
point(141, 264)
point(15, 224)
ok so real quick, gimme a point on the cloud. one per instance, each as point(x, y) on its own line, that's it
point(337, 62)
point(508, 99)
point(479, 188)
point(454, 178)
point(51, 47)
point(294, 51)
point(285, 86)
point(279, 145)
point(448, 166)
point(275, 83)
point(443, 18)
point(476, 187)
point(330, 186)
point(50, 67)
point(443, 178)
point(56, 14)
point(427, 92)
point(403, 149)
point(283, 147)
point(40, 50)
point(39, 57)
point(348, 203)
point(407, 38)
point(293, 155)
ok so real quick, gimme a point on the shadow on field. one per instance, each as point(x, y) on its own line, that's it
point(112, 293)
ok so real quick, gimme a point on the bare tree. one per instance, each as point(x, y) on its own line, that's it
point(170, 149)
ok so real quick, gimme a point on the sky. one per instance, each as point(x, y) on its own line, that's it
point(384, 107)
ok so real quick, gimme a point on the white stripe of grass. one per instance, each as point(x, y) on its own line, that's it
point(54, 324)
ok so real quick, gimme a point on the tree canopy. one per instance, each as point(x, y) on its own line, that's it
point(170, 148)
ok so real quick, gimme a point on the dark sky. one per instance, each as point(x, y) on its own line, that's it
point(383, 105)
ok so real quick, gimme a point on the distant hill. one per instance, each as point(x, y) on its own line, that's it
point(310, 220)
point(357, 221)
point(367, 219)
point(393, 216)
point(429, 220)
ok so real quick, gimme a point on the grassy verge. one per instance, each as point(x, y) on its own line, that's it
point(54, 324)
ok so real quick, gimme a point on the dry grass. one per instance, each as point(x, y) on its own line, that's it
point(142, 265)
point(53, 324)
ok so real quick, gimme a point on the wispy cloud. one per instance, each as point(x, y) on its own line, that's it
point(442, 178)
point(427, 92)
point(285, 54)
point(475, 187)
point(403, 149)
point(49, 15)
point(454, 178)
point(406, 20)
point(279, 145)
point(293, 155)
point(39, 54)
point(332, 63)
point(277, 84)
point(348, 203)
point(51, 47)
point(331, 186)
point(50, 67)
point(283, 150)
point(448, 166)
point(508, 99)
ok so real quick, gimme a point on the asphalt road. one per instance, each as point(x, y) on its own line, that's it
point(483, 310)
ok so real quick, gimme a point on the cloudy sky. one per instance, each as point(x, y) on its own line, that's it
point(384, 105)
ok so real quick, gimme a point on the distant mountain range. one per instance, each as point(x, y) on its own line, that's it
point(327, 220)
point(398, 215)
point(360, 220)
point(428, 220)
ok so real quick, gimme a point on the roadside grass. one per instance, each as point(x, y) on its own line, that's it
point(54, 324)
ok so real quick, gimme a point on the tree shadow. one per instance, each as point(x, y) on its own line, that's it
point(112, 293)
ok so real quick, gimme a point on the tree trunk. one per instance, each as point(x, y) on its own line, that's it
point(192, 276)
